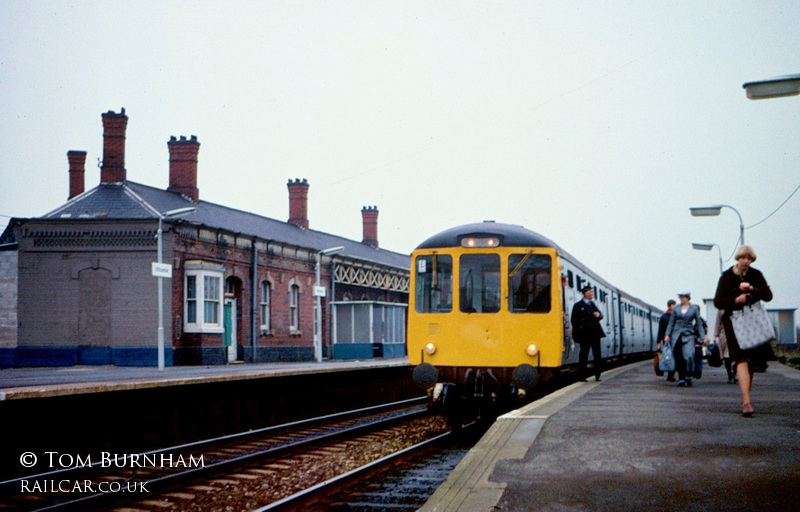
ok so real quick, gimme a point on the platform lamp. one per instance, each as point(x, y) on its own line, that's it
point(713, 211)
point(708, 247)
point(160, 270)
point(319, 292)
point(777, 87)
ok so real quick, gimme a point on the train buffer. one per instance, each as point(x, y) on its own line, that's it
point(637, 442)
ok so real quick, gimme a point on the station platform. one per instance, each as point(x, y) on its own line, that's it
point(636, 442)
point(25, 383)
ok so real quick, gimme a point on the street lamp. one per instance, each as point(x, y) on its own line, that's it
point(777, 87)
point(161, 271)
point(708, 247)
point(319, 292)
point(713, 211)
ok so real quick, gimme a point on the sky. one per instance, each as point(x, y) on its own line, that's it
point(596, 124)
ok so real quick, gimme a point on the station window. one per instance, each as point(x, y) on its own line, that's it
point(529, 277)
point(479, 283)
point(433, 282)
point(266, 297)
point(203, 289)
point(294, 308)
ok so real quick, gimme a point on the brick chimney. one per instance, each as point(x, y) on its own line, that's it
point(77, 169)
point(369, 219)
point(183, 166)
point(298, 202)
point(113, 168)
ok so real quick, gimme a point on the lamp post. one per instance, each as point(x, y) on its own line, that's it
point(713, 211)
point(777, 87)
point(161, 271)
point(708, 247)
point(319, 292)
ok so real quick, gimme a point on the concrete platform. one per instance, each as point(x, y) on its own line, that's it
point(636, 442)
point(22, 383)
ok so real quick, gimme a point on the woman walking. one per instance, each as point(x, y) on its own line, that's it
point(739, 286)
point(683, 323)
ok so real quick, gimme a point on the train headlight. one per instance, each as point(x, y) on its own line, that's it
point(430, 349)
point(532, 350)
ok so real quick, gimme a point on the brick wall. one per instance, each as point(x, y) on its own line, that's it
point(282, 267)
point(8, 299)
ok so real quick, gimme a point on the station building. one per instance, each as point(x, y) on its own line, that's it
point(243, 286)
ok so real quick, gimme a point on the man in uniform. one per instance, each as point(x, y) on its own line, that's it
point(587, 331)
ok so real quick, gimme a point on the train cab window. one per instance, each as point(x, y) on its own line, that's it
point(529, 277)
point(479, 283)
point(433, 284)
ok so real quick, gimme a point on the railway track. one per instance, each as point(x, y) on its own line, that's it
point(402, 481)
point(187, 476)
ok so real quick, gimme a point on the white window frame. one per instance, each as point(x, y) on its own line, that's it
point(294, 307)
point(200, 271)
point(266, 299)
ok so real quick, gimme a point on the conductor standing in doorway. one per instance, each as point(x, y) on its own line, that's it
point(587, 331)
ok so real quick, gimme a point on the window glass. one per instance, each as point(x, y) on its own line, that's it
point(294, 317)
point(434, 283)
point(211, 299)
point(266, 291)
point(479, 283)
point(361, 323)
point(529, 283)
point(191, 299)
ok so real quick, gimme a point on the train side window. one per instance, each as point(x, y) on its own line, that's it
point(479, 283)
point(529, 277)
point(433, 284)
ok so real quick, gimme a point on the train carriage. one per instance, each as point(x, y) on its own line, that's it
point(489, 313)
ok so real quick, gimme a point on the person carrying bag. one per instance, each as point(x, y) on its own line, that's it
point(740, 291)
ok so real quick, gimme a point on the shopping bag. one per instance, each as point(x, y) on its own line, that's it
point(667, 362)
point(752, 326)
point(714, 359)
point(655, 364)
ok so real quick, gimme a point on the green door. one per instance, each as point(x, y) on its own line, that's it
point(226, 338)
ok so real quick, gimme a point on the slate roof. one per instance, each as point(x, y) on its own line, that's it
point(129, 200)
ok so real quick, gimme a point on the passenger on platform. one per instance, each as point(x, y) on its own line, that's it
point(662, 329)
point(738, 286)
point(587, 331)
point(681, 333)
point(722, 344)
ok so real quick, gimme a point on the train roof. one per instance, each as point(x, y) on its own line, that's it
point(509, 235)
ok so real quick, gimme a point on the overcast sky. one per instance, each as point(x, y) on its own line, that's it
point(596, 124)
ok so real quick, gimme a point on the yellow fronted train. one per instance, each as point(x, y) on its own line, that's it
point(489, 314)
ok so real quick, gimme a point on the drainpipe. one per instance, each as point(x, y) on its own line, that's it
point(253, 292)
point(331, 299)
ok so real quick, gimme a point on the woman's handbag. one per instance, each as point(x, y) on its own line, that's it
point(667, 362)
point(752, 326)
point(655, 364)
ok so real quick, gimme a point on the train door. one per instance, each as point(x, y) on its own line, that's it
point(569, 298)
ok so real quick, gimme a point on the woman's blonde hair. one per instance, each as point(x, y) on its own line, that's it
point(745, 250)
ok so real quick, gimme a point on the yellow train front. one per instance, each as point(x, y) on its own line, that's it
point(486, 313)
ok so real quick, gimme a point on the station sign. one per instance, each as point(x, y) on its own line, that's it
point(162, 270)
point(320, 291)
